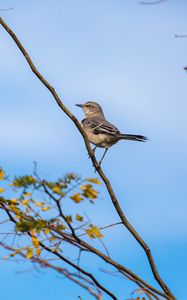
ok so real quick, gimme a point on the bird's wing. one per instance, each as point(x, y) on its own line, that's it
point(100, 126)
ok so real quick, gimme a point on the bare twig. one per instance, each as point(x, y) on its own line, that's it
point(181, 35)
point(45, 264)
point(90, 275)
point(104, 227)
point(152, 3)
point(7, 9)
point(109, 260)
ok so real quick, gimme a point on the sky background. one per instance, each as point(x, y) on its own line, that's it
point(125, 56)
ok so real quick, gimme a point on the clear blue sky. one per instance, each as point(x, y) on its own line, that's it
point(123, 55)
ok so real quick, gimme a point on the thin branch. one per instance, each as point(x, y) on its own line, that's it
point(60, 210)
point(147, 291)
point(90, 275)
point(152, 3)
point(104, 227)
point(44, 263)
point(86, 247)
point(7, 9)
point(95, 163)
point(181, 35)
point(109, 260)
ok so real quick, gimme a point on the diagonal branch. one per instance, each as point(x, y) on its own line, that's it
point(95, 163)
point(78, 268)
point(128, 273)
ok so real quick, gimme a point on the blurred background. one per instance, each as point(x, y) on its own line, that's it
point(125, 56)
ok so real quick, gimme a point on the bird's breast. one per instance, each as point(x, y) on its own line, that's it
point(100, 140)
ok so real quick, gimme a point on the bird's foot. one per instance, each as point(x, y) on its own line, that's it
point(97, 166)
point(90, 155)
point(99, 163)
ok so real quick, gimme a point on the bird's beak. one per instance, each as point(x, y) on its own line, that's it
point(79, 105)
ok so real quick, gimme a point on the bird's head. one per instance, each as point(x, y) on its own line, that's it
point(91, 108)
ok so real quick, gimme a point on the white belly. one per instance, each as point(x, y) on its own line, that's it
point(101, 140)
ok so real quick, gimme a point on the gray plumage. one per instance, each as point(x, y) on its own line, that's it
point(100, 132)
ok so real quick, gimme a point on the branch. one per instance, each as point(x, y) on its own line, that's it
point(181, 35)
point(152, 3)
point(95, 163)
point(83, 246)
point(104, 227)
point(7, 9)
point(80, 270)
point(45, 264)
point(145, 290)
point(109, 260)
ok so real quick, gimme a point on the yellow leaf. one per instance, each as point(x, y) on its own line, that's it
point(56, 189)
point(45, 208)
point(32, 232)
point(29, 253)
point(13, 201)
point(46, 231)
point(88, 191)
point(79, 218)
point(90, 233)
point(2, 174)
point(27, 194)
point(18, 250)
point(62, 227)
point(139, 292)
point(53, 238)
point(2, 190)
point(39, 203)
point(94, 180)
point(35, 241)
point(94, 232)
point(19, 217)
point(77, 198)
point(25, 202)
point(69, 219)
point(38, 251)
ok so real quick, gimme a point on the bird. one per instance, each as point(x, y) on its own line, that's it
point(101, 132)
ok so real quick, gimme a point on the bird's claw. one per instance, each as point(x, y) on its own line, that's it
point(90, 155)
point(97, 166)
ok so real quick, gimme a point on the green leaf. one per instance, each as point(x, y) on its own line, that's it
point(24, 181)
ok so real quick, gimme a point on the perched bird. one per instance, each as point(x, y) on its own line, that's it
point(99, 131)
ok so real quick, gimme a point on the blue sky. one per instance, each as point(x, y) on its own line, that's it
point(123, 55)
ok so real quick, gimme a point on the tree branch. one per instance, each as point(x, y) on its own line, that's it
point(110, 261)
point(45, 264)
point(86, 247)
point(152, 3)
point(78, 268)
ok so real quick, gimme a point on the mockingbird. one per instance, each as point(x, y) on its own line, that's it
point(99, 131)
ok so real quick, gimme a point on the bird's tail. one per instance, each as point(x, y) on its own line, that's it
point(133, 137)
